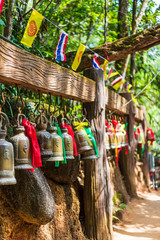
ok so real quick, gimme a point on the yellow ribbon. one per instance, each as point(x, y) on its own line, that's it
point(80, 126)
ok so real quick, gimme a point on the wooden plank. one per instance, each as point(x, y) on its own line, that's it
point(115, 102)
point(29, 71)
point(21, 68)
point(139, 116)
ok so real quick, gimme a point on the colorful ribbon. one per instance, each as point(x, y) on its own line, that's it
point(91, 137)
point(71, 133)
point(64, 153)
point(36, 154)
point(81, 125)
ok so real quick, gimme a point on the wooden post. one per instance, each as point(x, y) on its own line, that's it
point(145, 167)
point(127, 162)
point(97, 190)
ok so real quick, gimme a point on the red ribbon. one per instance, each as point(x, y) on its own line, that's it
point(117, 158)
point(152, 135)
point(36, 154)
point(1, 5)
point(71, 133)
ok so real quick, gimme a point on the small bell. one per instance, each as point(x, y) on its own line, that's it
point(107, 135)
point(81, 141)
point(57, 146)
point(6, 154)
point(112, 137)
point(91, 154)
point(149, 136)
point(21, 144)
point(118, 136)
point(124, 137)
point(68, 142)
point(44, 137)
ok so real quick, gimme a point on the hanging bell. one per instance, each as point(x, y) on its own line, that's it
point(57, 147)
point(21, 144)
point(149, 135)
point(107, 135)
point(81, 141)
point(91, 154)
point(112, 137)
point(118, 136)
point(68, 143)
point(6, 154)
point(124, 137)
point(44, 137)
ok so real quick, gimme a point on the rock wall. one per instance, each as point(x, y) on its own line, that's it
point(64, 226)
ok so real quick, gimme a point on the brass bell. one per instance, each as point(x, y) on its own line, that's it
point(81, 141)
point(91, 154)
point(139, 139)
point(68, 143)
point(118, 136)
point(6, 154)
point(124, 138)
point(112, 137)
point(21, 145)
point(57, 147)
point(107, 136)
point(44, 137)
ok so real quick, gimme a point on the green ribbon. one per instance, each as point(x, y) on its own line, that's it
point(126, 126)
point(91, 137)
point(64, 153)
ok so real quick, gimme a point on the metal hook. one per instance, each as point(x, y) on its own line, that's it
point(23, 103)
point(3, 99)
point(38, 106)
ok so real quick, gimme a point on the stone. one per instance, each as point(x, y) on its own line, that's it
point(31, 198)
point(65, 173)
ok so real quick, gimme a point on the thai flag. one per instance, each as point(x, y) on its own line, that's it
point(60, 49)
point(1, 5)
point(95, 62)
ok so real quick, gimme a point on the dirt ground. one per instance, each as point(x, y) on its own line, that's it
point(142, 221)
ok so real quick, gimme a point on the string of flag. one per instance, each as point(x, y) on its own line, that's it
point(134, 98)
point(31, 31)
point(113, 78)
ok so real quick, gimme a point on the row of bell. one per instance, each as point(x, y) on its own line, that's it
point(116, 140)
point(16, 153)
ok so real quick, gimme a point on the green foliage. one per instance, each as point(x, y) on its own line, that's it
point(118, 205)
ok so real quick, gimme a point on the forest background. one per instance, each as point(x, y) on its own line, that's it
point(91, 23)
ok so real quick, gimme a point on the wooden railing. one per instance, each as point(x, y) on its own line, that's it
point(23, 69)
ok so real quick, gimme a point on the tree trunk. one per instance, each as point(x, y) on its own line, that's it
point(105, 21)
point(122, 29)
point(121, 48)
point(97, 190)
point(127, 161)
point(135, 24)
point(9, 18)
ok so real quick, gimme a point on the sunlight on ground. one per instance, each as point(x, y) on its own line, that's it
point(142, 221)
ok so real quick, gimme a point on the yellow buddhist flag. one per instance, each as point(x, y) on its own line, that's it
point(104, 67)
point(113, 74)
point(118, 84)
point(32, 28)
point(78, 57)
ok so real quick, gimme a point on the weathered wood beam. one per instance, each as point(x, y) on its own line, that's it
point(31, 72)
point(120, 48)
point(21, 68)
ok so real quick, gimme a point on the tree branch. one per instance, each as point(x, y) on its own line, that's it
point(120, 48)
point(140, 15)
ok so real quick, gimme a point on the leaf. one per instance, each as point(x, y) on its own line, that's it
point(2, 23)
